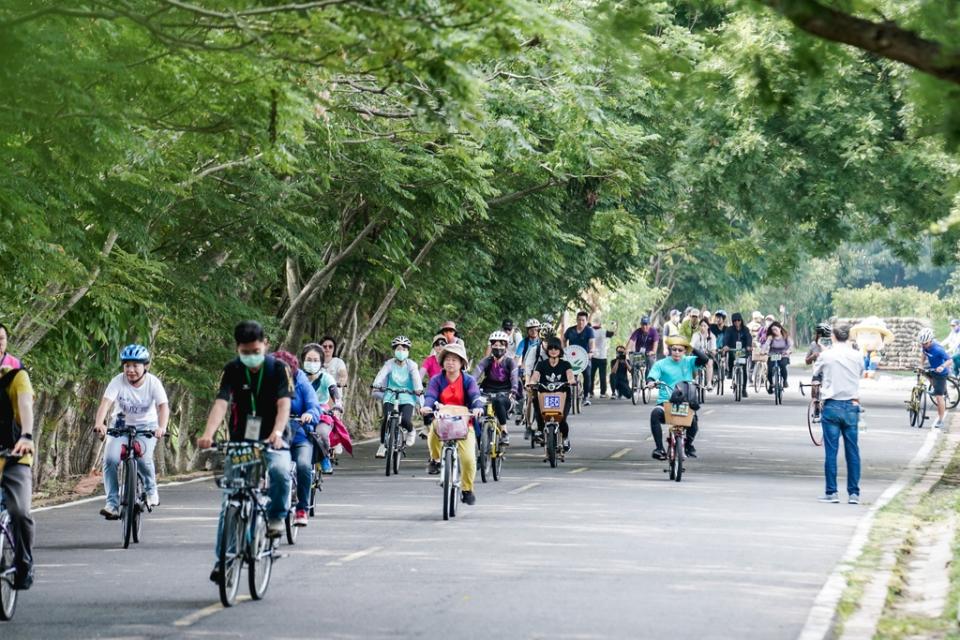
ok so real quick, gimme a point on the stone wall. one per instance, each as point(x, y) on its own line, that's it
point(903, 353)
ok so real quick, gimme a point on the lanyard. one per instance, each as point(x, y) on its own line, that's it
point(253, 396)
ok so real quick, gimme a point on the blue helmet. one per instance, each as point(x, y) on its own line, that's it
point(135, 353)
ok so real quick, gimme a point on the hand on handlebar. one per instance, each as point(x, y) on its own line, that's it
point(204, 443)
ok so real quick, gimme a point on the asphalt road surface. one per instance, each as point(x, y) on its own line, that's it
point(602, 547)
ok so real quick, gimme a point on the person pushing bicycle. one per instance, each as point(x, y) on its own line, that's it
point(679, 367)
point(821, 340)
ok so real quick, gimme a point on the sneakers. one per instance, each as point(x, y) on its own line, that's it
point(411, 438)
point(586, 402)
point(275, 528)
point(382, 451)
point(938, 424)
point(23, 580)
point(215, 573)
point(433, 468)
point(110, 512)
point(832, 498)
point(691, 451)
point(504, 439)
point(659, 454)
point(301, 519)
point(566, 445)
point(326, 466)
point(153, 499)
point(745, 394)
point(469, 498)
point(853, 499)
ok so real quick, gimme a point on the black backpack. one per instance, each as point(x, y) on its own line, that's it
point(685, 392)
point(9, 429)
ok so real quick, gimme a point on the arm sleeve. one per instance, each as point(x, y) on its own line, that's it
point(224, 392)
point(159, 393)
point(481, 367)
point(417, 382)
point(285, 388)
point(514, 376)
point(311, 401)
point(381, 380)
point(112, 392)
point(432, 393)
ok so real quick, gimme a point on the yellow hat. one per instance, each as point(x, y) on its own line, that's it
point(679, 340)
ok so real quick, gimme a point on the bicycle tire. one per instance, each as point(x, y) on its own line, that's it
point(315, 486)
point(815, 428)
point(721, 377)
point(913, 407)
point(140, 504)
point(671, 453)
point(922, 413)
point(128, 499)
point(291, 529)
point(550, 443)
point(953, 393)
point(231, 562)
point(8, 595)
point(737, 384)
point(678, 458)
point(497, 466)
point(777, 387)
point(447, 481)
point(483, 457)
point(455, 481)
point(390, 443)
point(260, 561)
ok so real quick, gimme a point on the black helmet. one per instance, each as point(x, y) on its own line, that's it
point(824, 330)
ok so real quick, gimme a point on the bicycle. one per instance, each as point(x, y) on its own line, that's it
point(917, 404)
point(552, 401)
point(720, 373)
point(316, 483)
point(759, 371)
point(953, 392)
point(8, 571)
point(776, 382)
point(489, 452)
point(677, 417)
point(452, 426)
point(739, 372)
point(701, 380)
point(394, 441)
point(133, 497)
point(243, 523)
point(292, 530)
point(638, 362)
point(814, 409)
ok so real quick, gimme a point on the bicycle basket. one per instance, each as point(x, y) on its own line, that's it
point(678, 415)
point(760, 357)
point(452, 427)
point(552, 403)
point(243, 467)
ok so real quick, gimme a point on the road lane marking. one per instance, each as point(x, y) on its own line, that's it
point(101, 496)
point(580, 470)
point(708, 412)
point(621, 453)
point(354, 556)
point(196, 616)
point(525, 487)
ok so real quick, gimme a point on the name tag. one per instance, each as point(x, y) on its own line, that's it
point(253, 428)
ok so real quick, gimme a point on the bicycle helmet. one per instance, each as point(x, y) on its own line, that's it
point(548, 332)
point(645, 320)
point(925, 335)
point(824, 330)
point(400, 341)
point(720, 312)
point(135, 353)
point(532, 323)
point(498, 336)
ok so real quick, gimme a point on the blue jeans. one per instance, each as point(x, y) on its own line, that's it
point(111, 461)
point(302, 454)
point(840, 418)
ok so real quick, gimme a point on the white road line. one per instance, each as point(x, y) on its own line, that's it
point(101, 497)
point(525, 487)
point(354, 556)
point(708, 412)
point(621, 453)
point(580, 470)
point(196, 616)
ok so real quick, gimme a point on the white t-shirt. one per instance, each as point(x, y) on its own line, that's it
point(138, 404)
point(334, 367)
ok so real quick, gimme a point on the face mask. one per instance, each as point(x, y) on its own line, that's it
point(312, 368)
point(252, 360)
point(498, 352)
point(400, 355)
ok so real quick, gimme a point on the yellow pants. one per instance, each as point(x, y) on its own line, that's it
point(468, 455)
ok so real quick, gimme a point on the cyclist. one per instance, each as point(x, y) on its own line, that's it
point(938, 361)
point(140, 397)
point(498, 373)
point(334, 365)
point(679, 367)
point(620, 369)
point(514, 335)
point(257, 389)
point(554, 369)
point(304, 419)
point(718, 326)
point(704, 340)
point(671, 328)
point(431, 365)
point(777, 342)
point(449, 331)
point(454, 387)
point(644, 340)
point(952, 345)
point(690, 323)
point(311, 357)
point(735, 333)
point(582, 335)
point(16, 481)
point(768, 320)
point(7, 360)
point(402, 373)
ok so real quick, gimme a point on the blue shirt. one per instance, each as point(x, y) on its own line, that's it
point(936, 356)
point(572, 336)
point(670, 372)
point(304, 401)
point(322, 386)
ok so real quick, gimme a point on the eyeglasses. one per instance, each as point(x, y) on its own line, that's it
point(327, 346)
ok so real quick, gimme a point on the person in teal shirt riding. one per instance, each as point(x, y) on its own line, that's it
point(679, 367)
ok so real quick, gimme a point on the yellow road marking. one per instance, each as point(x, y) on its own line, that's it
point(196, 616)
point(525, 487)
point(580, 470)
point(621, 453)
point(354, 556)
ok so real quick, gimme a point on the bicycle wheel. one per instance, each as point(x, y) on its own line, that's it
point(913, 407)
point(315, 486)
point(390, 443)
point(231, 555)
point(953, 393)
point(291, 529)
point(720, 379)
point(8, 595)
point(483, 451)
point(815, 429)
point(550, 442)
point(447, 482)
point(140, 504)
point(261, 557)
point(922, 413)
point(128, 498)
point(678, 457)
point(737, 383)
point(777, 387)
point(671, 454)
point(635, 386)
point(496, 460)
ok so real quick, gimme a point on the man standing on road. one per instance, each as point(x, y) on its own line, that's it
point(582, 336)
point(598, 361)
point(841, 368)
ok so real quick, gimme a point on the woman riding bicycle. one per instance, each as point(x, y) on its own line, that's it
point(431, 365)
point(553, 370)
point(679, 367)
point(705, 341)
point(498, 374)
point(777, 342)
point(454, 387)
point(304, 417)
point(311, 358)
point(398, 372)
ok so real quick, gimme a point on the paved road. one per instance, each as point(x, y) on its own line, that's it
point(604, 547)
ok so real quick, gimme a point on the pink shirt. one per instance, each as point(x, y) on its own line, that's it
point(10, 362)
point(431, 366)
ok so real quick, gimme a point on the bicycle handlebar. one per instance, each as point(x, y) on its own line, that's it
point(396, 390)
point(126, 431)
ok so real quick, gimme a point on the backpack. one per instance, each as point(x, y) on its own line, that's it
point(9, 429)
point(685, 392)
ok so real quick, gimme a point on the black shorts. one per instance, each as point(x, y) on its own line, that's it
point(939, 384)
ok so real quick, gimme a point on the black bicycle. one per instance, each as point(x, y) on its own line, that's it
point(8, 571)
point(393, 439)
point(775, 384)
point(638, 373)
point(243, 523)
point(133, 497)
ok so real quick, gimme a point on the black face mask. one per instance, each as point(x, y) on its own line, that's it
point(498, 352)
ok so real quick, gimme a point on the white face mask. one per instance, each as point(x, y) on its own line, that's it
point(312, 368)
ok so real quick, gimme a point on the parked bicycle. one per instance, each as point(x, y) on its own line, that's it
point(394, 441)
point(133, 496)
point(677, 418)
point(243, 522)
point(917, 404)
point(638, 373)
point(452, 425)
point(8, 571)
point(814, 408)
point(490, 452)
point(552, 397)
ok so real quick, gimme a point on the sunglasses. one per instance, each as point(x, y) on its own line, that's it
point(327, 346)
point(678, 349)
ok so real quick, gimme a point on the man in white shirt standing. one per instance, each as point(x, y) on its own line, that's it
point(141, 398)
point(952, 344)
point(842, 368)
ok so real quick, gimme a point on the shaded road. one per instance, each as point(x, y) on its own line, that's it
point(603, 547)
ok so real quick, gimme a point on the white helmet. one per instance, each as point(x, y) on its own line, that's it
point(400, 341)
point(532, 323)
point(499, 336)
point(925, 335)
